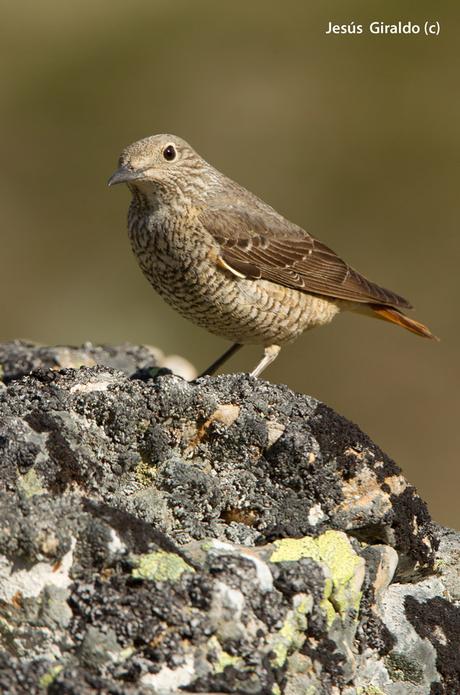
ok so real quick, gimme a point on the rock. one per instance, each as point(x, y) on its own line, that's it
point(225, 535)
point(20, 357)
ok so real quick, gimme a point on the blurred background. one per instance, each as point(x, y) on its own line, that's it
point(356, 138)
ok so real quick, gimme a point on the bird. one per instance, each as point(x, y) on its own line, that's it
point(232, 264)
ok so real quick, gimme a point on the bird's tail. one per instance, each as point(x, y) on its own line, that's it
point(387, 313)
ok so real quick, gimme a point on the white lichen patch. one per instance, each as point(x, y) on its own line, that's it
point(101, 383)
point(115, 544)
point(316, 515)
point(170, 680)
point(31, 582)
point(230, 600)
point(264, 575)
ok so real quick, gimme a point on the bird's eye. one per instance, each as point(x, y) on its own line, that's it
point(169, 153)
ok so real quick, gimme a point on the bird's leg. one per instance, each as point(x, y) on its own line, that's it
point(220, 361)
point(271, 352)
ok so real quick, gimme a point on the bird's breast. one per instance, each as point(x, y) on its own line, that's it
point(173, 255)
point(180, 261)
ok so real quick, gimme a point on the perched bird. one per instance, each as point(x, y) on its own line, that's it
point(229, 262)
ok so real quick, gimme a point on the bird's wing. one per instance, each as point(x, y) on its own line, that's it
point(262, 244)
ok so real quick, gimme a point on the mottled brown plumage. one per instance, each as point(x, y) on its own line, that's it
point(229, 262)
point(277, 250)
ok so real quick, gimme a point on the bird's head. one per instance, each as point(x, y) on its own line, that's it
point(160, 162)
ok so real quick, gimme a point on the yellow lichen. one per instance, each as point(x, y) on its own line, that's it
point(292, 635)
point(291, 549)
point(31, 483)
point(223, 658)
point(50, 676)
point(145, 473)
point(333, 549)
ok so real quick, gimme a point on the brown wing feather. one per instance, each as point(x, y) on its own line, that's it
point(269, 247)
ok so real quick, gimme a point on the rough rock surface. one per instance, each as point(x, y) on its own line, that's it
point(221, 536)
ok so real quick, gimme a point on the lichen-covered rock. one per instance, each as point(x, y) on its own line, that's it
point(20, 357)
point(226, 535)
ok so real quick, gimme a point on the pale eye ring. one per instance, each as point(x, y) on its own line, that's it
point(169, 153)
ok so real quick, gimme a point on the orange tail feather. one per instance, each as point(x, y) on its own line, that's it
point(394, 316)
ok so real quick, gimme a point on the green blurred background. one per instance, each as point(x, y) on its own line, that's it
point(356, 138)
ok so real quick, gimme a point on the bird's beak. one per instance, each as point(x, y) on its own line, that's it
point(125, 175)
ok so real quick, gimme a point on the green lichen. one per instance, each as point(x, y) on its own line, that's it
point(161, 566)
point(400, 668)
point(6, 629)
point(223, 658)
point(207, 545)
point(31, 483)
point(369, 690)
point(292, 634)
point(126, 653)
point(333, 549)
point(2, 372)
point(327, 604)
point(145, 473)
point(50, 676)
point(347, 569)
point(292, 549)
